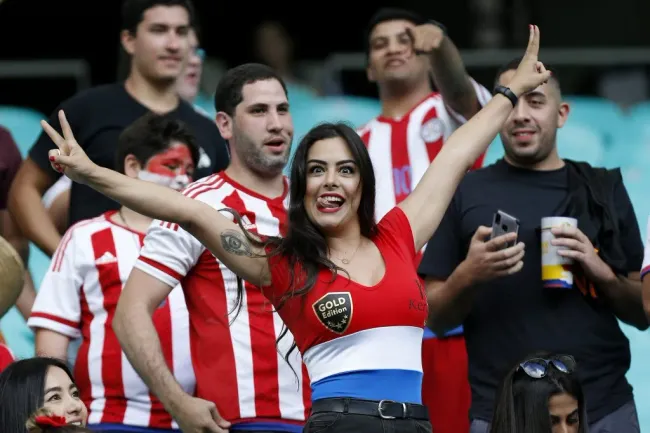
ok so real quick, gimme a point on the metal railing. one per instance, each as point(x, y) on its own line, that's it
point(77, 69)
point(485, 58)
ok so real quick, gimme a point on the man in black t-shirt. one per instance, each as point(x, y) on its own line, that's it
point(497, 294)
point(155, 35)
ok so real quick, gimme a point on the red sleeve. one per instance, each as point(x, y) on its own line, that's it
point(280, 276)
point(6, 357)
point(10, 161)
point(395, 230)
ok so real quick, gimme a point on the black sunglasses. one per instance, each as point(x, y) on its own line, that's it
point(537, 368)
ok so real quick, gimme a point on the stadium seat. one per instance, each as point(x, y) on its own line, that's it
point(599, 114)
point(355, 111)
point(24, 124)
point(639, 115)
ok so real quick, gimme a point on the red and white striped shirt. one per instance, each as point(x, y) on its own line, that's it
point(401, 149)
point(78, 297)
point(237, 365)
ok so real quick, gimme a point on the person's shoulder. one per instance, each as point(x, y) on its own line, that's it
point(87, 227)
point(203, 189)
point(482, 174)
point(590, 173)
point(98, 93)
point(188, 114)
point(93, 100)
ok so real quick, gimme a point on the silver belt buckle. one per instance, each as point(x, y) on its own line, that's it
point(380, 409)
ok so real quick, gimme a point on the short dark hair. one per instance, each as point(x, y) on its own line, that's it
point(150, 135)
point(133, 11)
point(22, 385)
point(513, 64)
point(229, 90)
point(390, 14)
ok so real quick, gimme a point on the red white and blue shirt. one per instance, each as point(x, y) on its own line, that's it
point(358, 341)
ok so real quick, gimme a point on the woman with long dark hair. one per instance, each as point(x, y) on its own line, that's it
point(541, 395)
point(346, 288)
point(35, 383)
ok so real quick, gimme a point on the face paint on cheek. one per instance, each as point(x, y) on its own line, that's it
point(175, 182)
point(176, 156)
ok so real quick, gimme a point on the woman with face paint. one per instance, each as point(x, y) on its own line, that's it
point(38, 383)
point(79, 293)
point(346, 288)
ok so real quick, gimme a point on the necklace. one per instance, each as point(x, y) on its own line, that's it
point(137, 238)
point(346, 261)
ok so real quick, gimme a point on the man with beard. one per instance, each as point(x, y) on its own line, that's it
point(243, 380)
point(497, 293)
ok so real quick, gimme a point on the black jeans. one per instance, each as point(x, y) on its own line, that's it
point(336, 422)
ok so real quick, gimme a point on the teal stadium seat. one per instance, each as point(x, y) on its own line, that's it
point(24, 124)
point(599, 114)
point(640, 115)
point(355, 111)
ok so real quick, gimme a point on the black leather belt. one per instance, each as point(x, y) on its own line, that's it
point(386, 409)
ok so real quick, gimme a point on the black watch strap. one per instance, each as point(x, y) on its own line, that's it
point(505, 91)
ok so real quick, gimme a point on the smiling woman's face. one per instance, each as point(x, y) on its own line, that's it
point(61, 397)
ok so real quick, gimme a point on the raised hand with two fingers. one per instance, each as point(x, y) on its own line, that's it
point(531, 73)
point(68, 158)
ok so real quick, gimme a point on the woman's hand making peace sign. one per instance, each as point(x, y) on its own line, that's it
point(68, 158)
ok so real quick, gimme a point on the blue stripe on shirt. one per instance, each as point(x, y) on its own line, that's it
point(404, 386)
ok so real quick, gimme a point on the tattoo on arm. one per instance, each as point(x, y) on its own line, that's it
point(236, 243)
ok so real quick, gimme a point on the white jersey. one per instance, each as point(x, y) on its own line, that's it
point(237, 363)
point(401, 149)
point(78, 297)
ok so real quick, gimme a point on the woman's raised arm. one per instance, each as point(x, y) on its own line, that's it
point(426, 205)
point(224, 238)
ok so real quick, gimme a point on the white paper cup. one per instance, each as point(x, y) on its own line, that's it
point(556, 269)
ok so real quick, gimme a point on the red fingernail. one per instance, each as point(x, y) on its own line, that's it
point(52, 158)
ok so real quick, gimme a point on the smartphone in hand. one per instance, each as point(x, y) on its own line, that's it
point(502, 224)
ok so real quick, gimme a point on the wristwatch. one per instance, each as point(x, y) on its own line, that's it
point(505, 91)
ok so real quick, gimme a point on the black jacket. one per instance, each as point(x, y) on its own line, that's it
point(590, 200)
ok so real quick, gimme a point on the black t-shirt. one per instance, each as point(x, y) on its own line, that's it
point(515, 316)
point(97, 117)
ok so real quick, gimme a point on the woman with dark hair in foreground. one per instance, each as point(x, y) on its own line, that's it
point(541, 395)
point(35, 383)
point(346, 288)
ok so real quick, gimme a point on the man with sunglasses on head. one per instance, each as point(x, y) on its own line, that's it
point(407, 55)
point(495, 288)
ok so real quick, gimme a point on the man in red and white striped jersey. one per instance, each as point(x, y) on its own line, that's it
point(405, 52)
point(79, 293)
point(243, 380)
